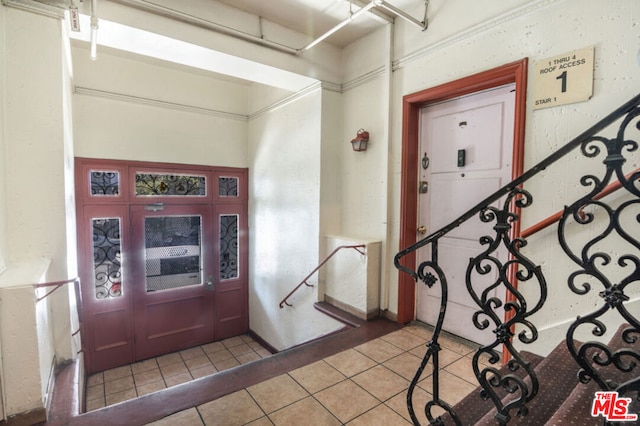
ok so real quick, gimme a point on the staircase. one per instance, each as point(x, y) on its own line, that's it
point(558, 389)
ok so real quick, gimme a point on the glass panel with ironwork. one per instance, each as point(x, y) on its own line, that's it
point(227, 186)
point(168, 185)
point(105, 183)
point(228, 246)
point(107, 260)
point(173, 252)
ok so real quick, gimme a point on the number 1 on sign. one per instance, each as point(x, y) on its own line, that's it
point(563, 77)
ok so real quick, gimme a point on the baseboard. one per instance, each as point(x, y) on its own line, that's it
point(351, 310)
point(263, 342)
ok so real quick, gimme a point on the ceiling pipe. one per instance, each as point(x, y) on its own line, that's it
point(391, 8)
point(342, 24)
point(94, 30)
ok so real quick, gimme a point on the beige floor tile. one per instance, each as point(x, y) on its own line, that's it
point(399, 404)
point(404, 340)
point(276, 393)
point(117, 373)
point(150, 387)
point(147, 377)
point(121, 396)
point(317, 376)
point(94, 392)
point(142, 366)
point(212, 347)
point(197, 362)
point(346, 400)
point(407, 365)
point(379, 350)
point(173, 369)
point(254, 345)
point(452, 388)
point(95, 404)
point(232, 341)
point(220, 355)
point(248, 357)
point(240, 349)
point(183, 418)
point(192, 353)
point(463, 368)
point(445, 356)
point(169, 359)
point(226, 364)
point(379, 416)
point(178, 379)
point(455, 345)
point(263, 352)
point(419, 330)
point(262, 421)
point(350, 362)
point(118, 385)
point(381, 382)
point(95, 379)
point(207, 370)
point(306, 412)
point(234, 409)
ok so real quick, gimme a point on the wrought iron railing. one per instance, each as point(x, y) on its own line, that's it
point(598, 265)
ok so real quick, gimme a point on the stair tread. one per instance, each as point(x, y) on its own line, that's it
point(555, 380)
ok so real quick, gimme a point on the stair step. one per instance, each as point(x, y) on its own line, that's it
point(472, 407)
point(576, 409)
point(557, 377)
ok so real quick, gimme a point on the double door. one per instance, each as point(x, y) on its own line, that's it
point(162, 258)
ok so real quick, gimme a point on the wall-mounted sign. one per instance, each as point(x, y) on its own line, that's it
point(563, 79)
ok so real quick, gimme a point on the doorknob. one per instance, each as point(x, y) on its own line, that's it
point(209, 282)
point(422, 230)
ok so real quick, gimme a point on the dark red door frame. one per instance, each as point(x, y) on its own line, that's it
point(515, 72)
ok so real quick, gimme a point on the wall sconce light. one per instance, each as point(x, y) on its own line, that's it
point(359, 143)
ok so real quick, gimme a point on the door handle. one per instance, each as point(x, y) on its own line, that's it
point(209, 283)
point(422, 230)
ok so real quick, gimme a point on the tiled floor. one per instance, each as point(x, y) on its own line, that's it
point(365, 385)
point(128, 382)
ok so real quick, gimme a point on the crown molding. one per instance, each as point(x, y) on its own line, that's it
point(473, 31)
point(158, 103)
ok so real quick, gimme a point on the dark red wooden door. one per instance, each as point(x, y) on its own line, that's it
point(172, 259)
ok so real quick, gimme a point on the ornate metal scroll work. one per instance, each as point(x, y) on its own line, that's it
point(106, 258)
point(433, 348)
point(608, 263)
point(507, 392)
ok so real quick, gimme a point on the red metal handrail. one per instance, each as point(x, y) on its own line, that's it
point(304, 281)
point(56, 285)
point(612, 187)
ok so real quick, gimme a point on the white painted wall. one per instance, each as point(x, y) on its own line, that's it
point(538, 29)
point(284, 220)
point(35, 164)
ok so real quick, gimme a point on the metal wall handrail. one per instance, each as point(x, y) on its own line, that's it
point(545, 223)
point(56, 285)
point(326, 259)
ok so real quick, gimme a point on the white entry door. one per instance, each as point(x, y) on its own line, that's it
point(466, 149)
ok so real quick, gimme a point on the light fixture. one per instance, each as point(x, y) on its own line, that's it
point(359, 143)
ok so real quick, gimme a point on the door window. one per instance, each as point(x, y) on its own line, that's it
point(173, 252)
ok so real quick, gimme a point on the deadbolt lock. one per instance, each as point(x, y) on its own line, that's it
point(422, 230)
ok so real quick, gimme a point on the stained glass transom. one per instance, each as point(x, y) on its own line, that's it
point(173, 252)
point(228, 186)
point(105, 183)
point(228, 247)
point(151, 184)
point(107, 261)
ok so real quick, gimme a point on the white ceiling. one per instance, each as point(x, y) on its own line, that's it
point(315, 17)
